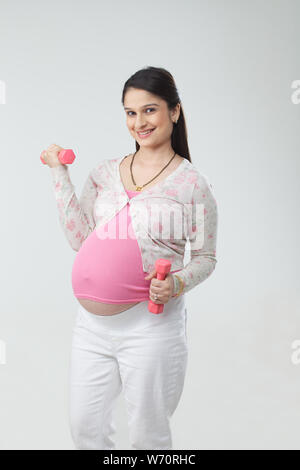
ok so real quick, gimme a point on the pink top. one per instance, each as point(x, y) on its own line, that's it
point(110, 270)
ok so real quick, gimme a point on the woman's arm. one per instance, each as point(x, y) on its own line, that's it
point(202, 236)
point(76, 217)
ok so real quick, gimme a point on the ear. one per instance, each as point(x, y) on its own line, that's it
point(150, 275)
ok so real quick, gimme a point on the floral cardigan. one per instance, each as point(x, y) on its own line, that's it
point(179, 208)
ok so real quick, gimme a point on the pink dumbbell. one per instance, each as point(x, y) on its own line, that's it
point(64, 156)
point(162, 268)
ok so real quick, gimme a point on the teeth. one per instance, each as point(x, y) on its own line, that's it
point(144, 133)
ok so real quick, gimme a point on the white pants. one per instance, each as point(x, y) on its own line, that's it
point(142, 353)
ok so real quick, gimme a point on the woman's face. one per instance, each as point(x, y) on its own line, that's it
point(146, 111)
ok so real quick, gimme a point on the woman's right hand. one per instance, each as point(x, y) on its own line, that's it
point(50, 156)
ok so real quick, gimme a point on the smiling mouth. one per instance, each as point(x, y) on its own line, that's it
point(145, 133)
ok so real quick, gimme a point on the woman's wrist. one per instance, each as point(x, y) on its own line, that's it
point(175, 285)
point(178, 285)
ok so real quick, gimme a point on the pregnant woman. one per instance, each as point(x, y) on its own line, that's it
point(132, 211)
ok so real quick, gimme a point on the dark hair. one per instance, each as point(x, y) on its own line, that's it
point(160, 82)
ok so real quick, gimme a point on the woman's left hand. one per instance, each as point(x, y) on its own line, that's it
point(162, 288)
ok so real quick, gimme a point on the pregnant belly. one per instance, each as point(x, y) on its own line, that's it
point(101, 308)
point(108, 276)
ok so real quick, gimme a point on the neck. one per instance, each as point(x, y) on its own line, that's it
point(150, 157)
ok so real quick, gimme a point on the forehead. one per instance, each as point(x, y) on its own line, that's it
point(136, 98)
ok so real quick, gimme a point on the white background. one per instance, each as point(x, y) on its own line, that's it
point(64, 64)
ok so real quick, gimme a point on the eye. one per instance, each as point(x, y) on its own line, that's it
point(152, 109)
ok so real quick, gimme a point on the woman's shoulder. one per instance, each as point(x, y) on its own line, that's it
point(104, 170)
point(106, 163)
point(191, 168)
point(200, 178)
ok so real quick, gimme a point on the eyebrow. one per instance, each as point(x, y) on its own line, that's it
point(149, 104)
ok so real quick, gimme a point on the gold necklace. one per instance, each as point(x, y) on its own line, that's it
point(139, 188)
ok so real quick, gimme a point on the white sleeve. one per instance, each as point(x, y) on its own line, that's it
point(76, 217)
point(203, 255)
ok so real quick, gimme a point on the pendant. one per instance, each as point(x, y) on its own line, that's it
point(138, 188)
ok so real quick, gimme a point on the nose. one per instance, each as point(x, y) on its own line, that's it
point(139, 122)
